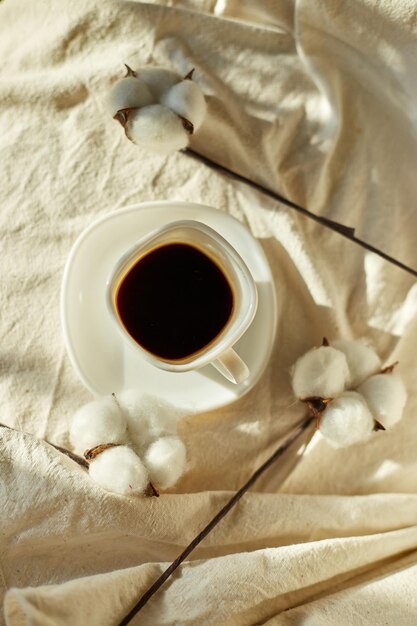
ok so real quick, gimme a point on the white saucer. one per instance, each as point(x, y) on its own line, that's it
point(103, 361)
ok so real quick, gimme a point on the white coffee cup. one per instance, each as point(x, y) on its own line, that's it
point(219, 350)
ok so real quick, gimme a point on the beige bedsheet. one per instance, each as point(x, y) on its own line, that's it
point(317, 99)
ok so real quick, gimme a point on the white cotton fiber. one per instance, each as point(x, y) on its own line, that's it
point(119, 470)
point(148, 417)
point(386, 397)
point(321, 372)
point(128, 93)
point(156, 129)
point(134, 409)
point(362, 360)
point(186, 99)
point(97, 422)
point(158, 79)
point(165, 460)
point(347, 420)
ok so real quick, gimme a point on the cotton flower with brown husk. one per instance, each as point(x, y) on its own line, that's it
point(157, 107)
point(347, 391)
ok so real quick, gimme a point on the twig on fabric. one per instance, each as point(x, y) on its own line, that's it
point(71, 455)
point(298, 430)
point(2, 576)
point(68, 453)
point(345, 231)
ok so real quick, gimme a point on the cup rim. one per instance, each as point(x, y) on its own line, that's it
point(215, 348)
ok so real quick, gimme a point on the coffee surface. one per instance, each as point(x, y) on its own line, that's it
point(174, 301)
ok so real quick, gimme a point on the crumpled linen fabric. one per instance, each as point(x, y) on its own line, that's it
point(317, 100)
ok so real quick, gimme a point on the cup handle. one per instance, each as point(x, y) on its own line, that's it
point(231, 366)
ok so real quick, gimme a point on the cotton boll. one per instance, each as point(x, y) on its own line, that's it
point(128, 93)
point(97, 422)
point(119, 470)
point(157, 129)
point(321, 372)
point(162, 416)
point(386, 397)
point(148, 417)
point(347, 420)
point(186, 99)
point(132, 404)
point(158, 79)
point(362, 360)
point(165, 460)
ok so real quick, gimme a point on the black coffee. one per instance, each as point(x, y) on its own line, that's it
point(174, 301)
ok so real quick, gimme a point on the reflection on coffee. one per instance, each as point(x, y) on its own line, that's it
point(174, 301)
